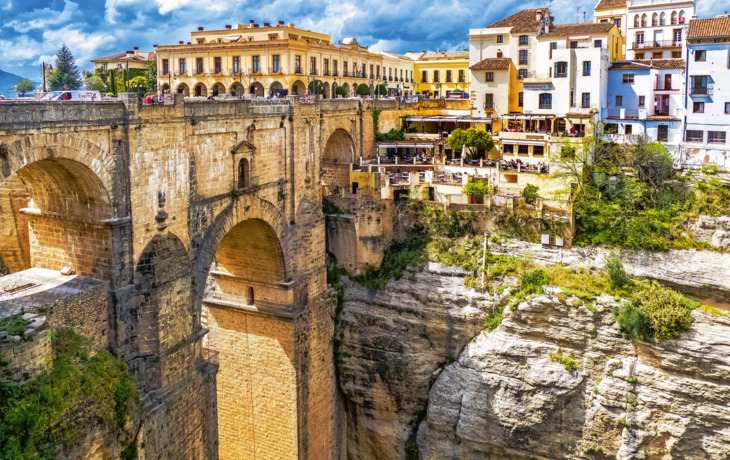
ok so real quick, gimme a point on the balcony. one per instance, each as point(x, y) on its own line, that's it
point(702, 90)
point(298, 70)
point(663, 87)
point(658, 44)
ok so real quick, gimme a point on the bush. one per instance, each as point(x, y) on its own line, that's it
point(400, 255)
point(666, 311)
point(475, 188)
point(633, 322)
point(530, 193)
point(616, 275)
point(341, 91)
point(363, 90)
point(531, 282)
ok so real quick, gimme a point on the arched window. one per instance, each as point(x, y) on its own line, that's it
point(654, 20)
point(643, 20)
point(636, 21)
point(243, 173)
point(681, 17)
point(674, 17)
point(663, 19)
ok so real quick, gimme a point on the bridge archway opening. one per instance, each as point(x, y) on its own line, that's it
point(183, 88)
point(218, 89)
point(200, 90)
point(298, 88)
point(327, 90)
point(236, 89)
point(55, 214)
point(347, 90)
point(243, 309)
point(256, 89)
point(339, 153)
point(274, 87)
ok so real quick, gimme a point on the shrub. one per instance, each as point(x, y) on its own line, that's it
point(530, 193)
point(363, 90)
point(341, 91)
point(531, 282)
point(666, 311)
point(633, 322)
point(616, 275)
point(475, 188)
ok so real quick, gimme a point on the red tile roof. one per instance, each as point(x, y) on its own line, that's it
point(582, 28)
point(492, 64)
point(142, 56)
point(643, 64)
point(606, 4)
point(713, 27)
point(444, 54)
point(522, 21)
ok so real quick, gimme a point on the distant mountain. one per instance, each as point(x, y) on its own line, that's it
point(7, 83)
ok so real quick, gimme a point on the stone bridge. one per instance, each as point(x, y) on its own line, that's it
point(204, 220)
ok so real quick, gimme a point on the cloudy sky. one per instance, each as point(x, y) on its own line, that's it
point(32, 30)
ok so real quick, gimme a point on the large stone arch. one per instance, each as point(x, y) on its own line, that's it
point(339, 152)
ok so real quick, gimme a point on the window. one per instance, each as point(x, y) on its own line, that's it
point(628, 78)
point(523, 39)
point(585, 100)
point(462, 76)
point(597, 43)
point(617, 21)
point(508, 148)
point(523, 149)
point(520, 99)
point(699, 84)
point(715, 137)
point(435, 76)
point(676, 54)
point(538, 150)
point(424, 76)
point(698, 107)
point(694, 136)
point(522, 73)
point(727, 107)
point(663, 19)
point(546, 101)
point(313, 66)
point(639, 38)
point(236, 64)
point(573, 44)
point(561, 69)
point(619, 101)
point(639, 55)
point(642, 101)
point(448, 76)
point(654, 20)
point(489, 76)
point(199, 66)
point(165, 67)
point(628, 129)
point(243, 173)
point(662, 133)
point(298, 64)
point(326, 67)
point(677, 37)
point(276, 63)
point(334, 67)
point(183, 68)
point(657, 55)
point(523, 57)
point(500, 38)
point(643, 20)
point(217, 65)
point(636, 21)
point(489, 101)
point(700, 55)
point(674, 17)
point(255, 64)
point(586, 68)
point(553, 46)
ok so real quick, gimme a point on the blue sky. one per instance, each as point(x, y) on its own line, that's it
point(31, 31)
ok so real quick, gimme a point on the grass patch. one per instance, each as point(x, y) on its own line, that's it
point(14, 325)
point(400, 255)
point(568, 363)
point(712, 311)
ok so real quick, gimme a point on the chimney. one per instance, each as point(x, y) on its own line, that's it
point(256, 26)
point(136, 50)
point(291, 24)
point(200, 29)
point(180, 42)
point(538, 16)
point(267, 24)
point(130, 54)
point(250, 23)
point(228, 26)
point(281, 23)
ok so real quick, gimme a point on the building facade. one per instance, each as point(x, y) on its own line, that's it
point(134, 59)
point(436, 73)
point(495, 89)
point(657, 30)
point(397, 73)
point(273, 60)
point(707, 130)
point(646, 97)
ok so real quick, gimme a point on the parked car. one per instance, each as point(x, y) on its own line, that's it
point(72, 96)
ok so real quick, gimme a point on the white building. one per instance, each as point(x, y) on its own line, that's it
point(570, 85)
point(612, 11)
point(646, 97)
point(398, 72)
point(707, 130)
point(657, 29)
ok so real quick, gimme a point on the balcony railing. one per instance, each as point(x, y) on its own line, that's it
point(702, 90)
point(658, 44)
point(489, 106)
point(313, 72)
point(345, 73)
point(298, 70)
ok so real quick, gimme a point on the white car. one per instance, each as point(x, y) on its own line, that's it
point(72, 96)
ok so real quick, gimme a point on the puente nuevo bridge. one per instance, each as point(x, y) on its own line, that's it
point(202, 222)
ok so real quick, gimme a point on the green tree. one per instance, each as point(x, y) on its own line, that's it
point(475, 140)
point(652, 163)
point(138, 83)
point(341, 91)
point(381, 90)
point(316, 87)
point(475, 188)
point(530, 193)
point(150, 75)
point(113, 82)
point(65, 75)
point(24, 86)
point(363, 90)
point(94, 82)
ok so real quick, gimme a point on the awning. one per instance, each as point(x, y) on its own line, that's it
point(518, 142)
point(392, 145)
point(233, 38)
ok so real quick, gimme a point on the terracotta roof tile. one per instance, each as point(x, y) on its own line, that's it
point(713, 27)
point(643, 64)
point(522, 21)
point(444, 54)
point(606, 4)
point(492, 64)
point(562, 30)
point(142, 56)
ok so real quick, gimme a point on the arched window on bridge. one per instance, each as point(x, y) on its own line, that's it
point(249, 295)
point(243, 173)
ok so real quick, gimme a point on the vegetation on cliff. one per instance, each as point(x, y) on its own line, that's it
point(79, 394)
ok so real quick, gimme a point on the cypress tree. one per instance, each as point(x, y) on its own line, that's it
point(66, 75)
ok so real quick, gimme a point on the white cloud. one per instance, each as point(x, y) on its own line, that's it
point(43, 18)
point(8, 6)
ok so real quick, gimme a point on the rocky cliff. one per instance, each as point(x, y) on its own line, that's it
point(510, 393)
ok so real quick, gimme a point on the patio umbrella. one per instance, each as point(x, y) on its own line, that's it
point(463, 151)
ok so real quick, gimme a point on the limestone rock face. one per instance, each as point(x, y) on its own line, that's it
point(393, 344)
point(510, 396)
point(713, 230)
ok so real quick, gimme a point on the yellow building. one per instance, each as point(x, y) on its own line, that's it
point(398, 72)
point(273, 60)
point(438, 72)
point(135, 59)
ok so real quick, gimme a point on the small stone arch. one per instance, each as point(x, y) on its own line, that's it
point(348, 93)
point(183, 88)
point(256, 89)
point(218, 89)
point(236, 89)
point(327, 90)
point(274, 87)
point(298, 88)
point(200, 90)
